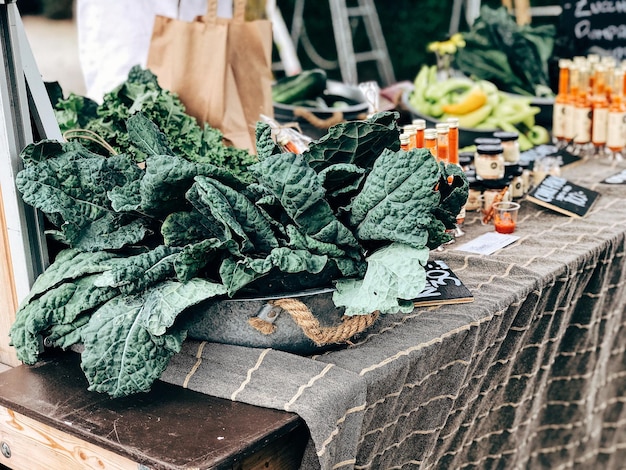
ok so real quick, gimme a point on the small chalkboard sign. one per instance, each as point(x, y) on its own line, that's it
point(563, 196)
point(617, 178)
point(564, 157)
point(442, 287)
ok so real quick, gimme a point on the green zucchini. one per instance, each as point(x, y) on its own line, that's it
point(306, 85)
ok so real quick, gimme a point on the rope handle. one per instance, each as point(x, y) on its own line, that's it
point(86, 134)
point(320, 335)
point(316, 121)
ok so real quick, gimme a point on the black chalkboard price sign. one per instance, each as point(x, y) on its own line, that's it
point(563, 196)
point(442, 287)
point(594, 26)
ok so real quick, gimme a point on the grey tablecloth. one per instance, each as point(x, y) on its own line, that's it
point(532, 374)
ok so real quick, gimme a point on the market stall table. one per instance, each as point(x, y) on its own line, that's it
point(529, 375)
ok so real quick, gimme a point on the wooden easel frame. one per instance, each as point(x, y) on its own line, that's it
point(23, 100)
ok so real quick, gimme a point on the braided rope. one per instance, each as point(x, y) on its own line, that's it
point(335, 118)
point(320, 335)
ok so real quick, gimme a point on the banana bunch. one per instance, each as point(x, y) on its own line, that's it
point(478, 104)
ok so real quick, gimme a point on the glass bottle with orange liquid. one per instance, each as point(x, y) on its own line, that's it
point(600, 111)
point(443, 145)
point(582, 113)
point(453, 140)
point(420, 125)
point(410, 130)
point(430, 141)
point(616, 132)
point(560, 101)
point(405, 142)
point(570, 103)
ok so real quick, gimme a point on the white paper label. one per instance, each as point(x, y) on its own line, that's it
point(615, 133)
point(600, 125)
point(582, 125)
point(558, 120)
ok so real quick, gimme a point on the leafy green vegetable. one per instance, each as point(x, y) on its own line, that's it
point(302, 196)
point(399, 265)
point(236, 212)
point(129, 340)
point(396, 200)
point(142, 93)
point(513, 57)
point(146, 243)
point(73, 185)
point(358, 142)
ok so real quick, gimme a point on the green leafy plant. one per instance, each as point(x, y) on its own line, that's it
point(141, 92)
point(146, 243)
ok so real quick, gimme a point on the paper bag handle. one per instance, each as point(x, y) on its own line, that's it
point(239, 11)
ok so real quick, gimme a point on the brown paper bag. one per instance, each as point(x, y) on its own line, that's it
point(220, 68)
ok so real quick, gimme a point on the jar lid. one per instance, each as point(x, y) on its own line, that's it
point(476, 184)
point(487, 141)
point(466, 158)
point(430, 133)
point(496, 184)
point(513, 169)
point(506, 136)
point(488, 149)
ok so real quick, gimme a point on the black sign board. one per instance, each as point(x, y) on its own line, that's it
point(563, 196)
point(617, 178)
point(442, 287)
point(594, 26)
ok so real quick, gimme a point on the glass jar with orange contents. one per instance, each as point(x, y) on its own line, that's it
point(430, 141)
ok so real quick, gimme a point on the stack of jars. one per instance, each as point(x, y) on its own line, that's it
point(589, 110)
point(494, 171)
point(442, 141)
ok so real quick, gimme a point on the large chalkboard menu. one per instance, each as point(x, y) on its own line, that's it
point(592, 26)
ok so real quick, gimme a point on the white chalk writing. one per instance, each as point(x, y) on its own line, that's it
point(549, 188)
point(610, 33)
point(585, 9)
point(577, 198)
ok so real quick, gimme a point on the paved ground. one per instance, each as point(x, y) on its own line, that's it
point(55, 46)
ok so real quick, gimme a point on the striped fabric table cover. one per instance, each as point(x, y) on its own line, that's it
point(532, 374)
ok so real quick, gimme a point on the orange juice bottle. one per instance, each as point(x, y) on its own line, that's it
point(600, 110)
point(582, 111)
point(570, 103)
point(615, 137)
point(453, 140)
point(560, 100)
point(430, 141)
point(443, 144)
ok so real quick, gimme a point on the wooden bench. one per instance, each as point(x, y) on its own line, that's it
point(48, 420)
